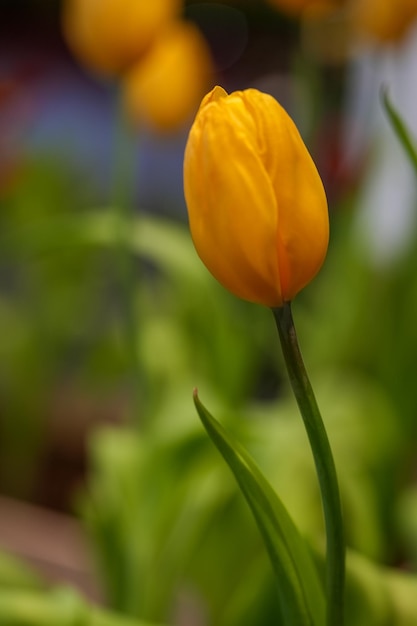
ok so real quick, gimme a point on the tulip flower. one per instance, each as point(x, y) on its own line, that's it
point(256, 204)
point(165, 87)
point(384, 20)
point(108, 35)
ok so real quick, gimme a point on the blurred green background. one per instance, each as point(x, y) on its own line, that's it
point(109, 320)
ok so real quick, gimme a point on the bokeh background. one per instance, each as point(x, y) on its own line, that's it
point(108, 483)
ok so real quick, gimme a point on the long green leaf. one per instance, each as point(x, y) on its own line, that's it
point(160, 240)
point(59, 607)
point(400, 129)
point(300, 591)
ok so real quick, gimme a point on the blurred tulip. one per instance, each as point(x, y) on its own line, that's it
point(384, 20)
point(256, 204)
point(108, 35)
point(165, 87)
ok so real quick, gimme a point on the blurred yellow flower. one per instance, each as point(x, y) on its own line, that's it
point(256, 204)
point(384, 20)
point(108, 35)
point(165, 87)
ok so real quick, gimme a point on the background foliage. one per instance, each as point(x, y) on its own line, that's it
point(114, 440)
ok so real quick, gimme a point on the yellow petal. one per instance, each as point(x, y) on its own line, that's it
point(303, 227)
point(231, 205)
point(215, 94)
point(256, 203)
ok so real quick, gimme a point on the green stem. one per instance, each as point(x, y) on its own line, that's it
point(127, 274)
point(323, 458)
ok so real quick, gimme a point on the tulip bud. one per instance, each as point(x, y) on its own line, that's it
point(256, 204)
point(165, 87)
point(384, 20)
point(108, 35)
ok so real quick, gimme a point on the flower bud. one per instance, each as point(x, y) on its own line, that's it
point(165, 87)
point(108, 35)
point(256, 204)
point(384, 20)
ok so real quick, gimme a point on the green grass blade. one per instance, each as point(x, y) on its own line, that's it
point(300, 591)
point(400, 129)
point(59, 607)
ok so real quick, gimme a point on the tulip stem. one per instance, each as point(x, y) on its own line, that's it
point(323, 458)
point(126, 269)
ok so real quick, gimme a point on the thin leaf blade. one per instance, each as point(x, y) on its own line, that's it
point(400, 129)
point(300, 590)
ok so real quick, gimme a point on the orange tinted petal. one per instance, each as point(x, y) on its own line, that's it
point(256, 203)
point(231, 205)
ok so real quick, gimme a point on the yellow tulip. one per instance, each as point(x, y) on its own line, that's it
point(108, 35)
point(165, 87)
point(384, 20)
point(256, 204)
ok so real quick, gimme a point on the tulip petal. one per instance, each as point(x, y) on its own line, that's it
point(303, 232)
point(231, 204)
point(304, 224)
point(256, 203)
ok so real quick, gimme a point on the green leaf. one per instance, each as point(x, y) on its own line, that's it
point(300, 590)
point(61, 606)
point(163, 241)
point(400, 129)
